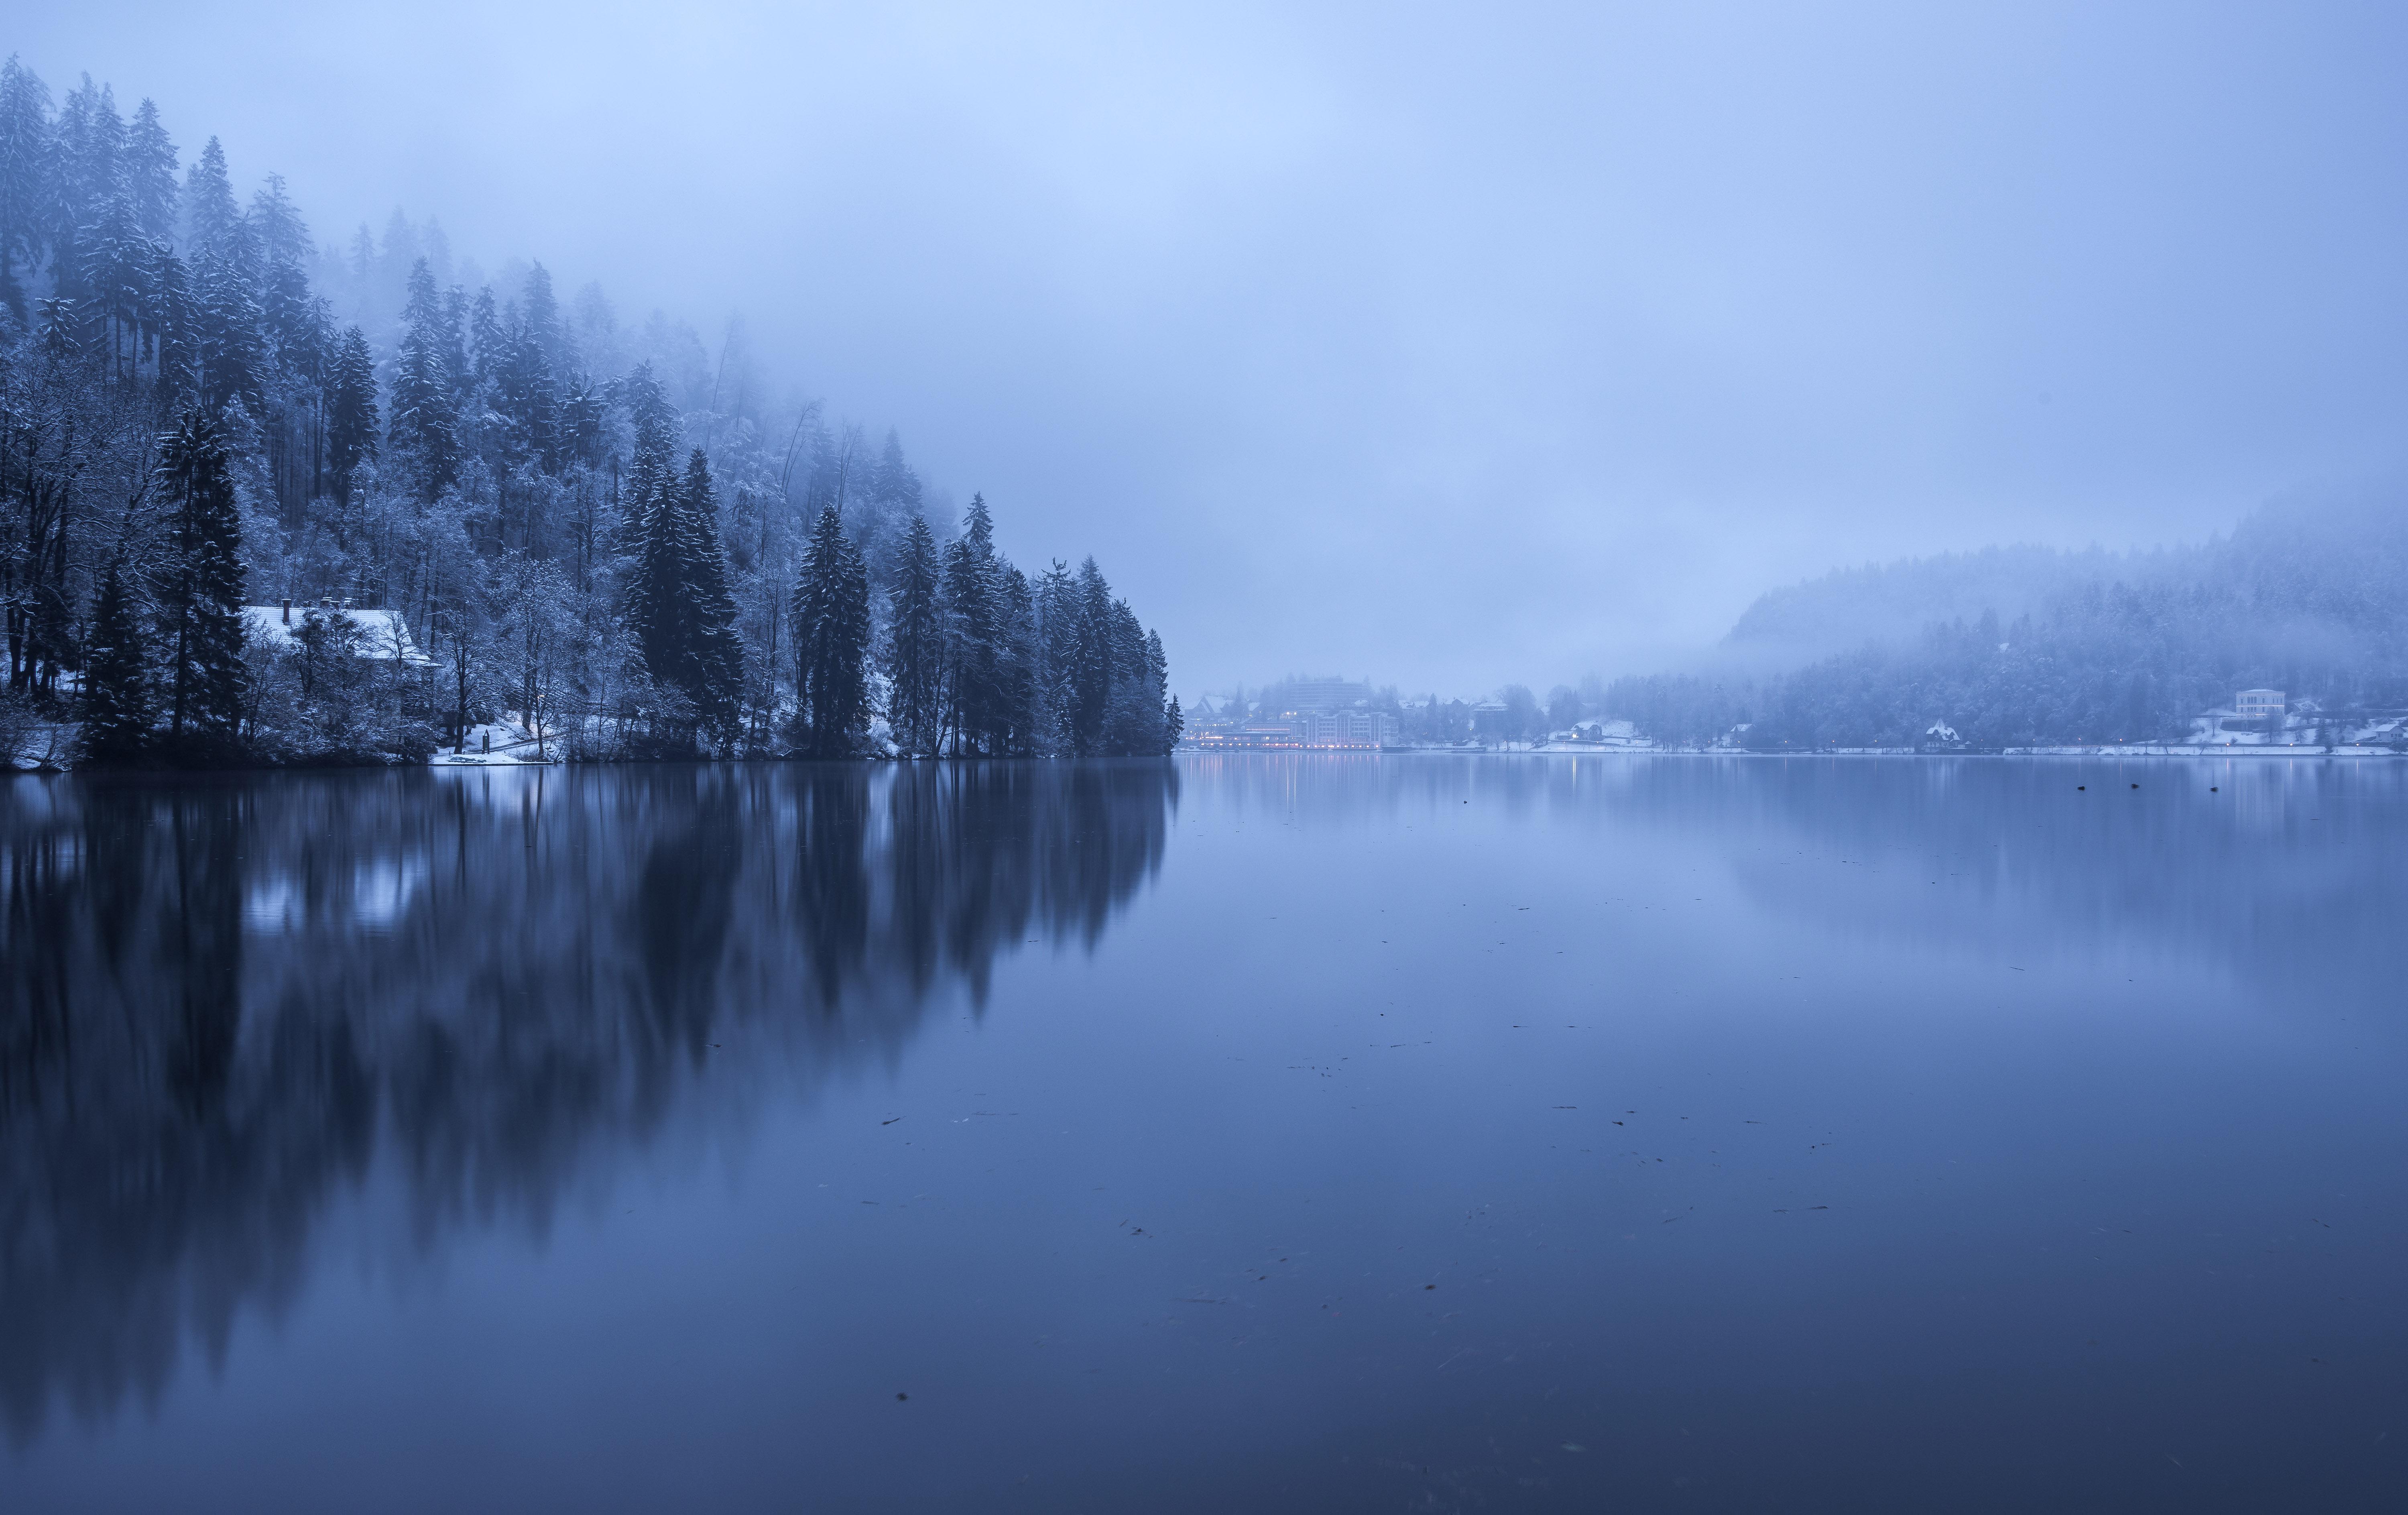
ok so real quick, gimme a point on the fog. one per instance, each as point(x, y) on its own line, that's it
point(1447, 346)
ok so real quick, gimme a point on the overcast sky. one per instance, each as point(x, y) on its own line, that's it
point(1451, 346)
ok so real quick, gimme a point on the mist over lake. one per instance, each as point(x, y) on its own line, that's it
point(931, 759)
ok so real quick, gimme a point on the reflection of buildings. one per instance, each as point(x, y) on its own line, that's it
point(225, 1004)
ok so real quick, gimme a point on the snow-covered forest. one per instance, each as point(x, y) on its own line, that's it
point(444, 495)
point(2031, 645)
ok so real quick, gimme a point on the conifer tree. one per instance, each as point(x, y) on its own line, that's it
point(149, 174)
point(350, 409)
point(527, 397)
point(656, 611)
point(1019, 658)
point(118, 708)
point(116, 279)
point(202, 598)
point(486, 341)
point(291, 317)
point(1058, 619)
point(915, 643)
point(210, 214)
point(423, 418)
point(1161, 722)
point(539, 312)
point(716, 652)
point(167, 315)
point(831, 622)
point(1091, 661)
point(89, 140)
point(226, 338)
point(971, 625)
point(25, 177)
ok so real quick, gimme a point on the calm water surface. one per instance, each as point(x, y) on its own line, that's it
point(1232, 1134)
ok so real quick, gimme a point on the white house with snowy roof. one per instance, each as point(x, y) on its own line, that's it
point(381, 635)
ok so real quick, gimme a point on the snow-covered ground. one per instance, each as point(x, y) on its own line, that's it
point(498, 743)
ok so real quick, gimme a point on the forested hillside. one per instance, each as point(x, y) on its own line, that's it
point(2307, 597)
point(618, 536)
point(1843, 611)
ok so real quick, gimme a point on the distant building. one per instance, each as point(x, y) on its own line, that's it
point(2260, 705)
point(1357, 730)
point(1315, 693)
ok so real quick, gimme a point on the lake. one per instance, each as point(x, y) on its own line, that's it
point(1273, 1133)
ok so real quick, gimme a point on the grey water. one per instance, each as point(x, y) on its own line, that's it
point(1231, 1134)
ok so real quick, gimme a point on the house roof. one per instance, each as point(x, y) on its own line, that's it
point(383, 634)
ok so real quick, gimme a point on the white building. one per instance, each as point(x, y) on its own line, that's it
point(2260, 705)
point(381, 635)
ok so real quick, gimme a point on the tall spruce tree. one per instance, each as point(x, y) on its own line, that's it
point(24, 178)
point(972, 626)
point(656, 607)
point(227, 340)
point(915, 643)
point(201, 601)
point(1019, 658)
point(716, 655)
point(350, 410)
point(120, 707)
point(89, 143)
point(1058, 620)
point(211, 213)
point(424, 418)
point(1091, 661)
point(149, 174)
point(830, 616)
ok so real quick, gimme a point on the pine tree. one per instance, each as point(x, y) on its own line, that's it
point(716, 667)
point(539, 312)
point(971, 627)
point(90, 143)
point(167, 316)
point(1133, 726)
point(203, 596)
point(425, 427)
point(656, 609)
point(1058, 620)
point(528, 398)
point(118, 707)
point(210, 214)
point(1019, 658)
point(151, 174)
point(831, 621)
point(350, 409)
point(25, 176)
point(116, 278)
point(485, 340)
point(1091, 661)
point(915, 643)
point(1158, 712)
point(291, 318)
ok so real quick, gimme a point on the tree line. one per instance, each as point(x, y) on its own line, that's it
point(625, 542)
point(2309, 596)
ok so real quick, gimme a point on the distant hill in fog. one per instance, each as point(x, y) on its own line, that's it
point(1846, 609)
point(2018, 646)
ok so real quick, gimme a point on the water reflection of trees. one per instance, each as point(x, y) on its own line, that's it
point(223, 1005)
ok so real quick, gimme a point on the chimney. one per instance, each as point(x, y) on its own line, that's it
point(288, 613)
